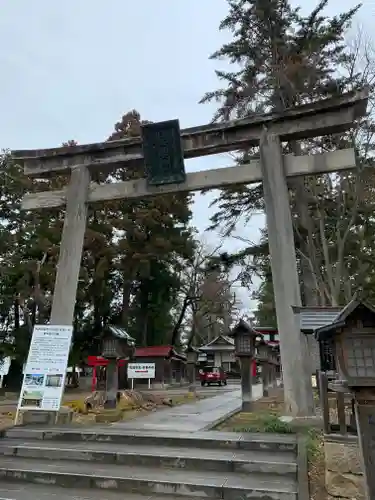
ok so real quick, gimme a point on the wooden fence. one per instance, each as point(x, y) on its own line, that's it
point(337, 408)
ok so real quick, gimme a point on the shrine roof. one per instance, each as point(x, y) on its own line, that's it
point(157, 351)
point(222, 342)
point(327, 331)
point(120, 333)
point(312, 318)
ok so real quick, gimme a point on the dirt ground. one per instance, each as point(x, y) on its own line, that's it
point(6, 420)
point(264, 418)
point(132, 405)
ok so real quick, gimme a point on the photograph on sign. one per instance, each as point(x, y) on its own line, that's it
point(45, 369)
point(31, 398)
point(141, 370)
point(54, 380)
point(34, 379)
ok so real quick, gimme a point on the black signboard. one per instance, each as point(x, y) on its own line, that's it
point(163, 154)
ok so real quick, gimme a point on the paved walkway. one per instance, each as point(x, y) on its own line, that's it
point(191, 417)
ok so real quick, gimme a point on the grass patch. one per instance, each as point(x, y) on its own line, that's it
point(269, 422)
point(314, 444)
point(256, 422)
point(316, 465)
point(265, 418)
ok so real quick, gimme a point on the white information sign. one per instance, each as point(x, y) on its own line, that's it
point(141, 370)
point(45, 370)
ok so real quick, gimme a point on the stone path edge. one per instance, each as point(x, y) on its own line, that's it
point(211, 426)
point(223, 418)
point(302, 468)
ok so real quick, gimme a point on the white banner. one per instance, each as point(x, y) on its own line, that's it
point(45, 369)
point(141, 370)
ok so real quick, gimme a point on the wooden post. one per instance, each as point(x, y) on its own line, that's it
point(365, 416)
point(341, 415)
point(324, 401)
point(297, 382)
point(64, 296)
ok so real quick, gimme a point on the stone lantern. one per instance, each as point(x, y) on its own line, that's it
point(244, 340)
point(116, 345)
point(192, 358)
point(263, 358)
point(353, 339)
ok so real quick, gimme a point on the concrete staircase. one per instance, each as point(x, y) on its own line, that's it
point(104, 463)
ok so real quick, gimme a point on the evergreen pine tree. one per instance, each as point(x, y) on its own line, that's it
point(154, 236)
point(282, 58)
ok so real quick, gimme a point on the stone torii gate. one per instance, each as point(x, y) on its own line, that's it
point(169, 147)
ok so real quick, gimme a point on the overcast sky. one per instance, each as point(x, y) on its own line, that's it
point(71, 69)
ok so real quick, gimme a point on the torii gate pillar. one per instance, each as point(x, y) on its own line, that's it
point(293, 350)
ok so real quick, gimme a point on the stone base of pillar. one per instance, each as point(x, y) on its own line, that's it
point(110, 404)
point(247, 406)
point(35, 417)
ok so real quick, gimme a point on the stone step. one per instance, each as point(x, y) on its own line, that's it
point(167, 457)
point(28, 491)
point(114, 434)
point(149, 481)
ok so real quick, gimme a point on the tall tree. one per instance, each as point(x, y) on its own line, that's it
point(130, 268)
point(282, 58)
point(154, 240)
point(207, 302)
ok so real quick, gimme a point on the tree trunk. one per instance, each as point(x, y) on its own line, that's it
point(178, 324)
point(307, 282)
point(16, 315)
point(126, 292)
point(13, 381)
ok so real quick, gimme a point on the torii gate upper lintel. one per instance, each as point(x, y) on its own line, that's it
point(267, 131)
point(311, 120)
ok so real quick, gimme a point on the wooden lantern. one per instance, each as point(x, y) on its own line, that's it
point(353, 339)
point(116, 343)
point(244, 339)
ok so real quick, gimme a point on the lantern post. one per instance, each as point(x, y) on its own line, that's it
point(244, 341)
point(263, 354)
point(192, 358)
point(273, 362)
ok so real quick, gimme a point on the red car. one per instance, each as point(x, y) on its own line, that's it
point(212, 375)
